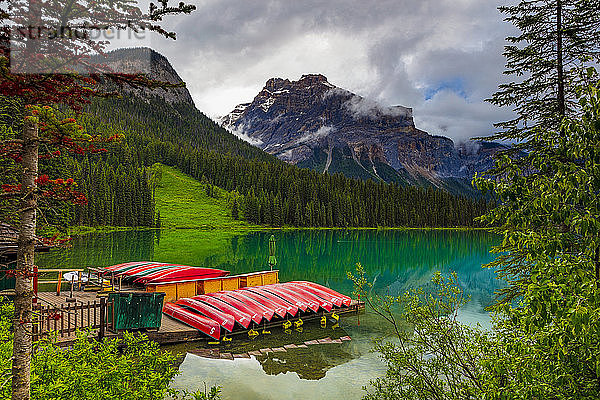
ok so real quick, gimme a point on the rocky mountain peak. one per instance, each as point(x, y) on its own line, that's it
point(156, 66)
point(314, 124)
point(313, 79)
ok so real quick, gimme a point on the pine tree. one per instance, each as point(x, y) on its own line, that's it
point(557, 40)
point(234, 210)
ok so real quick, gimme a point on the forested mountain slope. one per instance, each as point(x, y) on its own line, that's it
point(170, 130)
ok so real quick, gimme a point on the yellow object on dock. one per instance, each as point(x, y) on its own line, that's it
point(177, 290)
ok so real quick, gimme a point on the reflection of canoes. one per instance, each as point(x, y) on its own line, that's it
point(227, 321)
point(197, 321)
point(241, 317)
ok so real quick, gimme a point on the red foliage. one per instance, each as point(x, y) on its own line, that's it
point(50, 71)
point(11, 188)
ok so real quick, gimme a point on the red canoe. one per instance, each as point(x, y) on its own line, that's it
point(311, 298)
point(240, 317)
point(179, 273)
point(118, 267)
point(337, 301)
point(312, 304)
point(144, 268)
point(190, 276)
point(227, 321)
point(125, 270)
point(278, 309)
point(325, 304)
point(267, 312)
point(203, 324)
point(300, 303)
point(160, 273)
point(255, 315)
point(291, 308)
point(345, 299)
point(256, 312)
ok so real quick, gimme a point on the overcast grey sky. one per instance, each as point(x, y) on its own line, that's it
point(441, 57)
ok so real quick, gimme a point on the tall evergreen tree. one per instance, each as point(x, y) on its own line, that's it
point(557, 40)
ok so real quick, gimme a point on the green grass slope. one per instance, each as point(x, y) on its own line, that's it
point(183, 202)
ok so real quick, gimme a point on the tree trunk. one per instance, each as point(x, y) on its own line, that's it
point(597, 267)
point(559, 62)
point(25, 260)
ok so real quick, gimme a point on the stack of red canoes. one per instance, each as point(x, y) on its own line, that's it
point(156, 272)
point(228, 309)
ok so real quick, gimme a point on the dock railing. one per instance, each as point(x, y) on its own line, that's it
point(59, 279)
point(106, 280)
point(66, 319)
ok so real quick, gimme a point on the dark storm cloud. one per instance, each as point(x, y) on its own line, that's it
point(396, 52)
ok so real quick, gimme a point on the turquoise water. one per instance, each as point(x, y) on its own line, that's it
point(395, 261)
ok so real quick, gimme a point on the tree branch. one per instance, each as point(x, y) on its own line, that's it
point(11, 141)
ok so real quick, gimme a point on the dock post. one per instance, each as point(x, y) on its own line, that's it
point(35, 283)
point(58, 282)
point(102, 318)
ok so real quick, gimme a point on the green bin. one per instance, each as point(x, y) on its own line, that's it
point(7, 280)
point(135, 310)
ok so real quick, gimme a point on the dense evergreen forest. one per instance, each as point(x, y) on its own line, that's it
point(119, 185)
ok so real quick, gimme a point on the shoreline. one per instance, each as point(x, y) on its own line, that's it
point(87, 230)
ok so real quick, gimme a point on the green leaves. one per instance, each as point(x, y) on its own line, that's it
point(432, 355)
point(549, 342)
point(546, 338)
point(91, 370)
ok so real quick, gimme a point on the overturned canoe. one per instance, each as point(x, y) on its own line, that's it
point(180, 273)
point(145, 269)
point(301, 304)
point(227, 321)
point(345, 299)
point(267, 312)
point(197, 321)
point(241, 317)
point(124, 266)
point(337, 301)
point(256, 312)
point(278, 308)
point(290, 307)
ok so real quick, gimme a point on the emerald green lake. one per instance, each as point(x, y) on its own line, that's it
point(396, 261)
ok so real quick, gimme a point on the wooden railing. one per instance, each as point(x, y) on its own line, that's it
point(66, 319)
point(105, 280)
point(59, 280)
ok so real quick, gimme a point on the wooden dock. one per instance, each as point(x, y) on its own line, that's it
point(88, 311)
